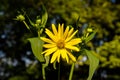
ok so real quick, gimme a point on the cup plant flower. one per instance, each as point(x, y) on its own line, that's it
point(59, 43)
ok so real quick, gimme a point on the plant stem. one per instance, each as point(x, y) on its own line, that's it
point(59, 72)
point(71, 71)
point(43, 72)
point(26, 25)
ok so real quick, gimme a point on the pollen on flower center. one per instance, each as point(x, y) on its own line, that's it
point(60, 44)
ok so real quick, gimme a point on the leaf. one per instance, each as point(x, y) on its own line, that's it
point(90, 37)
point(44, 16)
point(93, 63)
point(37, 46)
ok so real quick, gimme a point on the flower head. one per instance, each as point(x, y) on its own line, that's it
point(60, 43)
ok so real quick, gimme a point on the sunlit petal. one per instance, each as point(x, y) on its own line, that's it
point(74, 41)
point(47, 50)
point(46, 40)
point(70, 37)
point(54, 29)
point(49, 45)
point(66, 32)
point(64, 54)
point(58, 59)
point(72, 47)
point(51, 35)
point(67, 58)
point(62, 29)
point(70, 32)
point(50, 51)
point(59, 31)
point(54, 56)
point(71, 56)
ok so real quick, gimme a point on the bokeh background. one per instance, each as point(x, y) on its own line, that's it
point(17, 61)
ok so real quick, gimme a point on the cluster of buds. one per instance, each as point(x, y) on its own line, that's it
point(37, 23)
point(20, 17)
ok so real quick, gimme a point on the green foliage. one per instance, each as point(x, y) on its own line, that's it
point(44, 16)
point(36, 45)
point(111, 51)
point(93, 61)
point(90, 37)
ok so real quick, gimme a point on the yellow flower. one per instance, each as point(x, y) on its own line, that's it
point(60, 43)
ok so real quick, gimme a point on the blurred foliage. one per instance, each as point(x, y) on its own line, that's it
point(110, 53)
point(16, 56)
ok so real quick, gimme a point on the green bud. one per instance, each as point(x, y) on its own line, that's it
point(89, 30)
point(20, 17)
point(36, 25)
point(38, 21)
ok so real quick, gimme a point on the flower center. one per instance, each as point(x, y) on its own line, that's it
point(60, 44)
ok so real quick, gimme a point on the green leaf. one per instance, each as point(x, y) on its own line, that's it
point(37, 46)
point(44, 16)
point(90, 37)
point(93, 63)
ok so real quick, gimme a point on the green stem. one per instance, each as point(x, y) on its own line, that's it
point(59, 72)
point(38, 34)
point(71, 71)
point(43, 72)
point(26, 25)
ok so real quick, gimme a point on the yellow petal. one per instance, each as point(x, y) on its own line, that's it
point(66, 32)
point(71, 36)
point(49, 45)
point(72, 47)
point(62, 29)
point(64, 55)
point(54, 29)
point(51, 35)
point(67, 58)
point(59, 31)
point(54, 56)
point(71, 56)
point(63, 52)
point(46, 40)
point(58, 58)
point(74, 41)
point(49, 51)
point(70, 32)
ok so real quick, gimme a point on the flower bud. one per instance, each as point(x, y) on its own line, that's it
point(36, 25)
point(89, 30)
point(20, 17)
point(38, 21)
